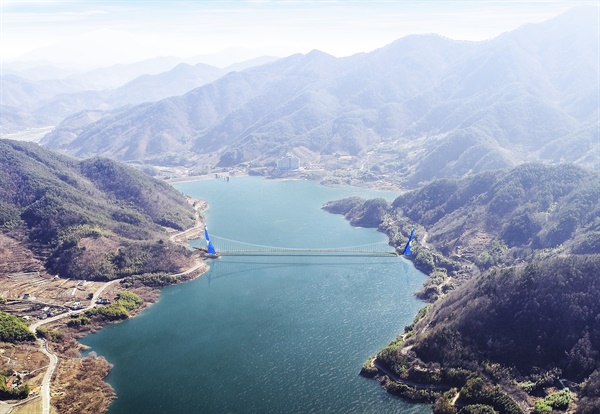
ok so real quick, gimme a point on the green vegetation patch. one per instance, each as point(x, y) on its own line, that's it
point(410, 393)
point(112, 312)
point(559, 400)
point(151, 279)
point(477, 391)
point(49, 334)
point(478, 409)
point(9, 215)
point(13, 329)
point(118, 310)
point(78, 321)
point(129, 300)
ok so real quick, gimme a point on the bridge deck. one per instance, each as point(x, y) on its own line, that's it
point(305, 252)
point(228, 247)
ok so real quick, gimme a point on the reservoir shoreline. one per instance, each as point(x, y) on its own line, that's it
point(165, 293)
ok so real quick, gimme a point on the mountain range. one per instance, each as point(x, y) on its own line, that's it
point(38, 102)
point(423, 107)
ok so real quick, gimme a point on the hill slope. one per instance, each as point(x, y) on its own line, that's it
point(513, 258)
point(33, 103)
point(540, 316)
point(92, 219)
point(48, 102)
point(493, 218)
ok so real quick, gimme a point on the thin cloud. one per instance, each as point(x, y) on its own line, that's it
point(336, 27)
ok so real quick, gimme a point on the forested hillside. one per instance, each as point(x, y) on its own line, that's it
point(514, 264)
point(545, 314)
point(493, 218)
point(92, 219)
point(522, 327)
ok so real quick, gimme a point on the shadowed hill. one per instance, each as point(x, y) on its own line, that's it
point(538, 316)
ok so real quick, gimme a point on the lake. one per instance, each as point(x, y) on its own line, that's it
point(267, 334)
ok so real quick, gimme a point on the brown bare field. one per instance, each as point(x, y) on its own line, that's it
point(79, 386)
point(26, 361)
point(22, 275)
point(32, 407)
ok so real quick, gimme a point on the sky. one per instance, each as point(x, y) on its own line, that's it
point(101, 33)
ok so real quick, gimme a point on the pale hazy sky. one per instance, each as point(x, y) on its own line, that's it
point(121, 31)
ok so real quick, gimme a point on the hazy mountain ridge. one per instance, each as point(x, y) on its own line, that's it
point(51, 101)
point(98, 78)
point(526, 95)
point(94, 219)
point(32, 103)
point(174, 122)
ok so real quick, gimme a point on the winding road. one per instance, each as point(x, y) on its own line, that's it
point(45, 388)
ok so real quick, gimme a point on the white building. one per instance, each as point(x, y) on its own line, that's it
point(288, 163)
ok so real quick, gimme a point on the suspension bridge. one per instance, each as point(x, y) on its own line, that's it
point(228, 247)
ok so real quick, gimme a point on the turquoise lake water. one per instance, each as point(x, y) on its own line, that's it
point(267, 334)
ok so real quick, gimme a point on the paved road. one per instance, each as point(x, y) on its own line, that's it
point(45, 388)
point(200, 206)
